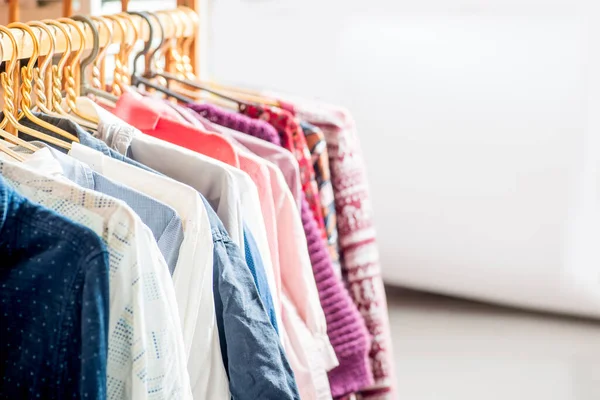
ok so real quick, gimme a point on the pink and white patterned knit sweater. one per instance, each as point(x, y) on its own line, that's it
point(358, 248)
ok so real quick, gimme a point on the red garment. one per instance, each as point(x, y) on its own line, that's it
point(154, 120)
point(292, 138)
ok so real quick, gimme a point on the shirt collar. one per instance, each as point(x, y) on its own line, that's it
point(112, 130)
point(42, 160)
point(55, 163)
point(138, 112)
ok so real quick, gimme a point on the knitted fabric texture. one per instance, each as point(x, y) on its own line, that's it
point(345, 327)
point(358, 247)
point(238, 122)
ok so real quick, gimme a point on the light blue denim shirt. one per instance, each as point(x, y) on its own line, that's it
point(257, 268)
point(255, 361)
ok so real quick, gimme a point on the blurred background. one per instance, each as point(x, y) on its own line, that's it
point(480, 124)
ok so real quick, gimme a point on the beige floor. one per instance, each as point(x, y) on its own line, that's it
point(449, 349)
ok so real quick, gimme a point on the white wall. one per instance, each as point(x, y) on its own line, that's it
point(477, 119)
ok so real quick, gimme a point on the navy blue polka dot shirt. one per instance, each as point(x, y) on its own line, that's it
point(53, 304)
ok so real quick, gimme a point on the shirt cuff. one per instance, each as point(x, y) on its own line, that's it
point(326, 352)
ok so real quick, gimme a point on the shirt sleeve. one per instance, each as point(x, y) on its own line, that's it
point(298, 278)
point(94, 323)
point(248, 338)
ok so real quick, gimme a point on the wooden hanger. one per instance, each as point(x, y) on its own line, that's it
point(139, 80)
point(187, 44)
point(118, 86)
point(57, 71)
point(228, 97)
point(85, 87)
point(3, 148)
point(40, 72)
point(98, 69)
point(9, 94)
point(7, 150)
point(182, 91)
point(71, 75)
point(26, 89)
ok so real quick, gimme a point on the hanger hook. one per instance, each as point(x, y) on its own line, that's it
point(27, 71)
point(187, 42)
point(119, 59)
point(41, 99)
point(1, 48)
point(82, 37)
point(12, 63)
point(97, 75)
point(152, 57)
point(6, 80)
point(72, 87)
point(52, 44)
point(130, 23)
point(95, 43)
point(147, 44)
point(58, 69)
point(69, 39)
point(172, 42)
point(36, 45)
point(173, 17)
point(136, 37)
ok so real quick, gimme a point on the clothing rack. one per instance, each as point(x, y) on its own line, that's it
point(173, 26)
point(13, 10)
point(149, 225)
point(25, 43)
point(26, 46)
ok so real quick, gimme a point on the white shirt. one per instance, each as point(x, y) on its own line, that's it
point(193, 273)
point(146, 355)
point(230, 191)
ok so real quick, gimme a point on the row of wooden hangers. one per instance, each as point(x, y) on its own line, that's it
point(169, 44)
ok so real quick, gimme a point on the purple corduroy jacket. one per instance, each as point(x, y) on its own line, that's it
point(345, 327)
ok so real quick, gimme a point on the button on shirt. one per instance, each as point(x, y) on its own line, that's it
point(56, 346)
point(146, 357)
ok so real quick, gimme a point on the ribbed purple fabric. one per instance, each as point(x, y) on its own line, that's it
point(238, 122)
point(346, 328)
